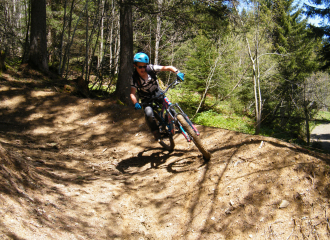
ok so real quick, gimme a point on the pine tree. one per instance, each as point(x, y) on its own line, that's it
point(297, 44)
point(321, 9)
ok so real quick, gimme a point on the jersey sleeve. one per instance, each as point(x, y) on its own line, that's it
point(132, 83)
point(157, 68)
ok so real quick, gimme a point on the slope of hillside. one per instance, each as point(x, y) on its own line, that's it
point(73, 168)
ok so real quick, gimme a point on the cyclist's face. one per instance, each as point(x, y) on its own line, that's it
point(140, 67)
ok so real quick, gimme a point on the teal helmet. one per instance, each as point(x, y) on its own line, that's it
point(141, 57)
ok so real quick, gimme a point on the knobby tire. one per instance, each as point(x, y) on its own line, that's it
point(197, 141)
point(167, 142)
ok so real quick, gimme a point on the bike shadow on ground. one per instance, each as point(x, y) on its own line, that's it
point(156, 158)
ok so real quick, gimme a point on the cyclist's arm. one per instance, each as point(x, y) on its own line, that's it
point(169, 68)
point(132, 95)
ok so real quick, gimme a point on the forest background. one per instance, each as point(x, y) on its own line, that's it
point(252, 66)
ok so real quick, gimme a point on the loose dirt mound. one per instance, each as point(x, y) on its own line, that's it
point(86, 169)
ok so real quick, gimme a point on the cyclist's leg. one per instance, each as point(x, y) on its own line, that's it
point(150, 119)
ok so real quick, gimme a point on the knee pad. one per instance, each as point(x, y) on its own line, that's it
point(149, 112)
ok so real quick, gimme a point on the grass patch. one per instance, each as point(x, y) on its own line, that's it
point(220, 115)
point(233, 122)
point(323, 115)
point(101, 91)
point(103, 87)
point(228, 115)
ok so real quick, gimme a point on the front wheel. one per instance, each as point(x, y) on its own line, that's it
point(197, 141)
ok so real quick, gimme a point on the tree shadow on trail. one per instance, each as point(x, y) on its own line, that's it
point(186, 164)
point(233, 194)
point(244, 183)
point(48, 140)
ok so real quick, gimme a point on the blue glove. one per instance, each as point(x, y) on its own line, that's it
point(137, 106)
point(180, 76)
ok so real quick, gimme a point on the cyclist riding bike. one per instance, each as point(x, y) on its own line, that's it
point(144, 82)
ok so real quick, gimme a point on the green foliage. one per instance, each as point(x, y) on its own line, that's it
point(289, 103)
point(186, 99)
point(200, 60)
point(324, 115)
point(233, 122)
point(321, 9)
point(211, 65)
point(321, 115)
point(212, 16)
point(222, 115)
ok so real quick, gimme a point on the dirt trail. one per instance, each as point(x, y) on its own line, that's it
point(76, 168)
point(321, 134)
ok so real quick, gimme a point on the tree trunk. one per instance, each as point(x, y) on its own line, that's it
point(111, 38)
point(38, 38)
point(257, 88)
point(308, 134)
point(256, 75)
point(126, 52)
point(87, 43)
point(100, 58)
point(257, 78)
point(158, 31)
point(62, 39)
point(116, 64)
point(2, 61)
point(306, 112)
point(27, 12)
point(66, 57)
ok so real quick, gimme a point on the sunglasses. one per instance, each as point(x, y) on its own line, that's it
point(140, 67)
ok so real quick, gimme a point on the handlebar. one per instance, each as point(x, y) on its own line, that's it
point(173, 84)
point(160, 93)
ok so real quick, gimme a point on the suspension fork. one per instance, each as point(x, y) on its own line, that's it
point(166, 112)
point(172, 113)
point(187, 119)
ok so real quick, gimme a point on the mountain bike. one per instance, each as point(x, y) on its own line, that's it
point(171, 120)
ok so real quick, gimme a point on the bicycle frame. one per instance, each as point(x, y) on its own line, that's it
point(169, 113)
point(171, 119)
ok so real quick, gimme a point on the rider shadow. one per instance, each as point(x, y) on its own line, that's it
point(141, 160)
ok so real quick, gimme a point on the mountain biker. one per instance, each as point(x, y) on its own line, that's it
point(144, 82)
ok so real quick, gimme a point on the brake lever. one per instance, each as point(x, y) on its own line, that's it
point(176, 82)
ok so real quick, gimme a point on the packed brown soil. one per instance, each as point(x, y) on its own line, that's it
point(80, 168)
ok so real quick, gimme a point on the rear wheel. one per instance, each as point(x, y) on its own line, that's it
point(197, 141)
point(166, 141)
